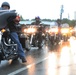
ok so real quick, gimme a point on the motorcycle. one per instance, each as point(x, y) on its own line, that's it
point(53, 35)
point(65, 34)
point(40, 37)
point(8, 49)
point(34, 35)
point(24, 37)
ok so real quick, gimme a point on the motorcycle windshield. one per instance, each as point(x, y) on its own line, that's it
point(4, 14)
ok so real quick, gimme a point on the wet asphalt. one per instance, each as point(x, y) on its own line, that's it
point(50, 60)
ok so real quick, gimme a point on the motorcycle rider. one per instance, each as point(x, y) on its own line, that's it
point(38, 35)
point(12, 25)
point(37, 21)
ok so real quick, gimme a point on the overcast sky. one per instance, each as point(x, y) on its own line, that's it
point(49, 9)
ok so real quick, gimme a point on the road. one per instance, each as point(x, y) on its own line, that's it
point(52, 60)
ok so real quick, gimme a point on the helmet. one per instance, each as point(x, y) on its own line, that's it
point(5, 4)
point(37, 18)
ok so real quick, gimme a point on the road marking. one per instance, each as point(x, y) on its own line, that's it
point(24, 68)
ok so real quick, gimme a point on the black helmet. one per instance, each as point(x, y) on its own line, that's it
point(5, 4)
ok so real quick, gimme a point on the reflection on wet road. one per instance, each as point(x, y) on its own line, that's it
point(47, 61)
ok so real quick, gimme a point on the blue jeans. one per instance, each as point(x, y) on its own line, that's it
point(15, 38)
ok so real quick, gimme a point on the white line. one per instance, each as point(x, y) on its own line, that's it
point(24, 68)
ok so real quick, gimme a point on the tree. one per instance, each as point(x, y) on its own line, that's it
point(21, 18)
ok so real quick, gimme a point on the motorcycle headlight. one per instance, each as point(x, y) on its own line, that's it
point(64, 30)
point(3, 30)
point(30, 30)
point(53, 30)
point(25, 30)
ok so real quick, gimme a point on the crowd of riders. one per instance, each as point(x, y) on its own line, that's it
point(38, 37)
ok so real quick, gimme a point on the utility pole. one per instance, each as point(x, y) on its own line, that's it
point(59, 20)
point(61, 12)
